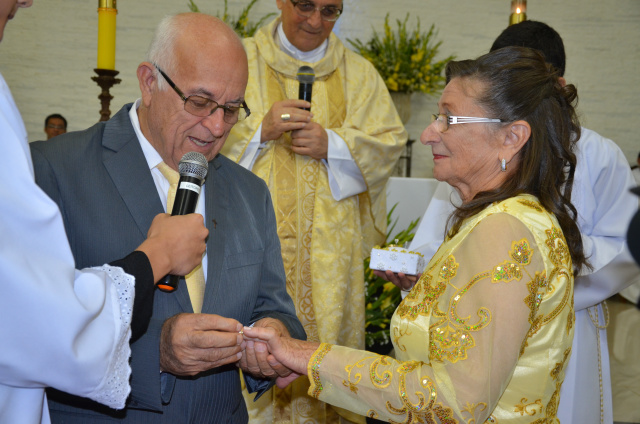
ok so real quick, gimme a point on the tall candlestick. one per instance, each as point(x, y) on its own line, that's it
point(107, 12)
point(518, 11)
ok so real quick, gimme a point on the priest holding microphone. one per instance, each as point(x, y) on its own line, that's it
point(324, 135)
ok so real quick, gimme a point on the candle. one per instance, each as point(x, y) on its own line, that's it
point(107, 12)
point(518, 11)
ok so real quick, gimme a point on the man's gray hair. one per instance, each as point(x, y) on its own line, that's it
point(161, 48)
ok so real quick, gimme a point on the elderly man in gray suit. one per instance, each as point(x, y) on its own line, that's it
point(185, 366)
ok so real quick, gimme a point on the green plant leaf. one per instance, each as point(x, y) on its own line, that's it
point(405, 58)
point(241, 25)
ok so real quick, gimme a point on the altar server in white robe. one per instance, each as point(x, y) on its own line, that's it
point(62, 327)
point(605, 207)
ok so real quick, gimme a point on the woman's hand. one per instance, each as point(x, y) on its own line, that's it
point(405, 282)
point(255, 356)
point(292, 353)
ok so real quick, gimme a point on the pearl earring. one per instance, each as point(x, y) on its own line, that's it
point(503, 165)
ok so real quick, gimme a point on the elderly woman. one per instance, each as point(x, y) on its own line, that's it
point(487, 330)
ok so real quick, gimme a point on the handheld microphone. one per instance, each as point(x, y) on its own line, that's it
point(193, 169)
point(306, 76)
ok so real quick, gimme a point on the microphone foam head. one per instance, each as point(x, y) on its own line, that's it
point(193, 164)
point(306, 75)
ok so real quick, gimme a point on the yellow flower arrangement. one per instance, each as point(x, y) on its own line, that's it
point(242, 26)
point(405, 59)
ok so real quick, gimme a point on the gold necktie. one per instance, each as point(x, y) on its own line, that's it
point(195, 279)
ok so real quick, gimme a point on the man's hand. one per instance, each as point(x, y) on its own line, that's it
point(312, 141)
point(254, 359)
point(273, 126)
point(405, 282)
point(175, 244)
point(193, 343)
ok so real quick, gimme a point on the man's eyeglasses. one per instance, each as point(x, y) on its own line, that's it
point(306, 9)
point(443, 120)
point(203, 107)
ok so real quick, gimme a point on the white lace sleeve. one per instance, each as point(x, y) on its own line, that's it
point(114, 388)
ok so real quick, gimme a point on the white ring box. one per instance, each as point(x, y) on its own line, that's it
point(397, 259)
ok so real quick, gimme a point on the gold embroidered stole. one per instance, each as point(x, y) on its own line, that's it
point(293, 180)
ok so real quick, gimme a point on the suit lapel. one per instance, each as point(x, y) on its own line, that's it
point(125, 162)
point(128, 169)
point(216, 201)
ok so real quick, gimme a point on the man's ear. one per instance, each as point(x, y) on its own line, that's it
point(148, 81)
point(516, 137)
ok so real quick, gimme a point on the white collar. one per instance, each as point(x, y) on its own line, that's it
point(310, 57)
point(150, 154)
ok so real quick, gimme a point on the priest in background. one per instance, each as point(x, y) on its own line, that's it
point(327, 169)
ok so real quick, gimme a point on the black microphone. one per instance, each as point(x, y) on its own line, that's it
point(306, 76)
point(193, 169)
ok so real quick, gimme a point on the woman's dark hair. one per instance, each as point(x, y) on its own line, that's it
point(520, 85)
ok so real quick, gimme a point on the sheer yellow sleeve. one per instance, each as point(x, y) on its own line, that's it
point(463, 335)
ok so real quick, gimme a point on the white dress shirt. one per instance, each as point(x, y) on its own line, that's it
point(162, 184)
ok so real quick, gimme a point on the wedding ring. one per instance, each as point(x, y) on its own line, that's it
point(285, 117)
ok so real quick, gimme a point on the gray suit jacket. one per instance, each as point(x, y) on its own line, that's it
point(101, 181)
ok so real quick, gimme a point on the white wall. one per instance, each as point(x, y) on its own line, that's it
point(49, 52)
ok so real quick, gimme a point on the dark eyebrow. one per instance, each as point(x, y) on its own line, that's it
point(239, 101)
point(201, 92)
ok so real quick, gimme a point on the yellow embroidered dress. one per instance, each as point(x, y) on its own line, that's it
point(484, 335)
point(323, 241)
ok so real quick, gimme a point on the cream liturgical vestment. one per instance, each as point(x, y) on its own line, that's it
point(324, 241)
point(484, 336)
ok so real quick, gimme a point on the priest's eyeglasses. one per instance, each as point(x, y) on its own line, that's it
point(306, 9)
point(443, 120)
point(203, 107)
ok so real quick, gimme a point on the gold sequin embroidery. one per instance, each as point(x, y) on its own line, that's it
point(449, 268)
point(532, 205)
point(313, 369)
point(521, 253)
point(537, 287)
point(450, 336)
point(470, 409)
point(506, 272)
point(558, 250)
point(426, 294)
point(381, 377)
point(425, 409)
point(530, 409)
point(431, 294)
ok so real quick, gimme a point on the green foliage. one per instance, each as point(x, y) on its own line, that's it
point(241, 25)
point(405, 59)
point(382, 297)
